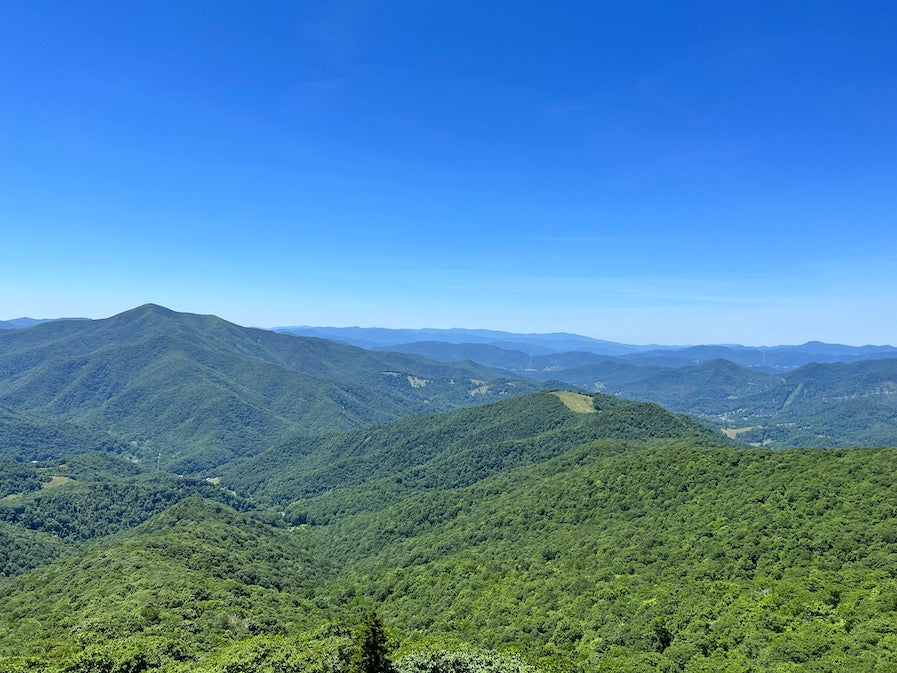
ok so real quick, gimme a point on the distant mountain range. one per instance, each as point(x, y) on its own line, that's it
point(508, 350)
point(824, 405)
point(531, 344)
point(833, 404)
point(814, 394)
point(215, 390)
point(22, 323)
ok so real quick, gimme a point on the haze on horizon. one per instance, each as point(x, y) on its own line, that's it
point(643, 172)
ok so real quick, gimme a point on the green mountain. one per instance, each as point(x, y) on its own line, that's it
point(627, 557)
point(555, 531)
point(180, 569)
point(200, 588)
point(761, 395)
point(708, 389)
point(319, 479)
point(834, 405)
point(638, 543)
point(191, 391)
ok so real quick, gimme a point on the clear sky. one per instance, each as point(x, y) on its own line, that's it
point(668, 172)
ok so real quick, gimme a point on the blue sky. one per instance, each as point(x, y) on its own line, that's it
point(667, 172)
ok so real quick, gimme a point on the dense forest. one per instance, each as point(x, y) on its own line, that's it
point(549, 531)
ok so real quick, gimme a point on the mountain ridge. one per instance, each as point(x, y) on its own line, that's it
point(192, 390)
point(544, 343)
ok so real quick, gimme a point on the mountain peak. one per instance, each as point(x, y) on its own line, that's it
point(147, 309)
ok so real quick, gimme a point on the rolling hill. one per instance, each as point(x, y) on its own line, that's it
point(321, 479)
point(820, 405)
point(189, 391)
point(653, 556)
point(52, 508)
point(198, 568)
point(640, 542)
point(493, 530)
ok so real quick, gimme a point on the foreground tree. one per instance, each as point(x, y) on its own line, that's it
point(371, 651)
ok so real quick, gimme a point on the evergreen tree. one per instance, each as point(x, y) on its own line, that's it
point(371, 652)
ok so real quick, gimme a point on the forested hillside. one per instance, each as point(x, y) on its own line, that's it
point(25, 437)
point(398, 493)
point(820, 405)
point(549, 531)
point(616, 556)
point(188, 391)
point(55, 507)
point(581, 533)
point(319, 479)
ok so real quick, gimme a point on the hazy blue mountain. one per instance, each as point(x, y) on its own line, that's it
point(532, 344)
point(19, 323)
point(22, 323)
point(445, 345)
point(487, 354)
point(517, 361)
point(765, 358)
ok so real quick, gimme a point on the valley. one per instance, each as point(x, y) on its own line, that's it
point(448, 337)
point(178, 494)
point(821, 395)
